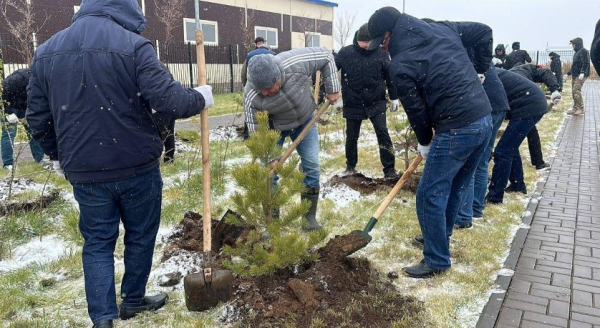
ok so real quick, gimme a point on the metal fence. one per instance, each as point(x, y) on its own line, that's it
point(542, 57)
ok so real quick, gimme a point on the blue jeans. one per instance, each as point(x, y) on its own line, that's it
point(473, 199)
point(136, 202)
point(308, 149)
point(507, 159)
point(451, 162)
point(9, 133)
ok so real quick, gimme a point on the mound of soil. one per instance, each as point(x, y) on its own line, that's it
point(366, 185)
point(335, 291)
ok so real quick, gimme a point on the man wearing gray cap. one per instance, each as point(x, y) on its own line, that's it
point(281, 86)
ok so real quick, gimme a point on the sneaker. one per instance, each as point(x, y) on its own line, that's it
point(512, 188)
point(542, 166)
point(463, 226)
point(8, 167)
point(150, 303)
point(477, 218)
point(579, 112)
point(391, 175)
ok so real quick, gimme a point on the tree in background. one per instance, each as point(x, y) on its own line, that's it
point(344, 27)
point(20, 23)
point(169, 12)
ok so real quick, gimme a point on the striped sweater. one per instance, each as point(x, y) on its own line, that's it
point(294, 103)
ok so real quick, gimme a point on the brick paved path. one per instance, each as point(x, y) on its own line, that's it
point(556, 262)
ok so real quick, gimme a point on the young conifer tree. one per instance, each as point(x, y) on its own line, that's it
point(276, 240)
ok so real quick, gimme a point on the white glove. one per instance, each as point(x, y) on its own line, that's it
point(566, 76)
point(496, 61)
point(206, 92)
point(481, 78)
point(57, 169)
point(555, 97)
point(12, 118)
point(395, 105)
point(581, 76)
point(424, 150)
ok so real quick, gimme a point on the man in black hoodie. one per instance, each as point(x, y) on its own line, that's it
point(517, 57)
point(596, 48)
point(366, 74)
point(499, 56)
point(579, 72)
point(556, 69)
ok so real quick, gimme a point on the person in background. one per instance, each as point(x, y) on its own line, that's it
point(527, 107)
point(538, 74)
point(556, 68)
point(439, 87)
point(92, 89)
point(281, 85)
point(579, 72)
point(516, 57)
point(14, 95)
point(366, 75)
point(595, 49)
point(499, 56)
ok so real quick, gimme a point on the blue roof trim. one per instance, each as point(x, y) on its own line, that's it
point(324, 3)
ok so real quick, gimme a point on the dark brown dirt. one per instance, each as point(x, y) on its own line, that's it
point(366, 185)
point(335, 291)
point(14, 206)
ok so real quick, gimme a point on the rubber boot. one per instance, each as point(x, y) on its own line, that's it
point(312, 195)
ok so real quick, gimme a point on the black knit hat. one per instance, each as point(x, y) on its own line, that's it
point(363, 33)
point(516, 45)
point(381, 21)
point(259, 39)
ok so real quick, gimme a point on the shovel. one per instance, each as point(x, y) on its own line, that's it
point(205, 290)
point(366, 238)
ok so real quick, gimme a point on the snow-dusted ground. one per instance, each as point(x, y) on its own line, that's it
point(48, 249)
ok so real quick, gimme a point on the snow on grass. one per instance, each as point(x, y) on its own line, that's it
point(341, 195)
point(50, 248)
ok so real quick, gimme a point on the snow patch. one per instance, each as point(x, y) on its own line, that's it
point(49, 249)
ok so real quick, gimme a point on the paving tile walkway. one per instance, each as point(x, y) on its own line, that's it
point(556, 261)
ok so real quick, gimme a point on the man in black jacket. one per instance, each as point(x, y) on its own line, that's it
point(596, 48)
point(517, 57)
point(556, 69)
point(366, 74)
point(579, 72)
point(499, 56)
point(440, 90)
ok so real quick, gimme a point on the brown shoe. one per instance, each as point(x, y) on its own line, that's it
point(578, 112)
point(571, 111)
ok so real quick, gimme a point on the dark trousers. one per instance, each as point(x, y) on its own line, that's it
point(535, 147)
point(386, 149)
point(103, 205)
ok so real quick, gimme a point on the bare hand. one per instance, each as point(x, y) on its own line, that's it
point(333, 97)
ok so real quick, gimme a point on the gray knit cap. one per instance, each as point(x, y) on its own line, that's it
point(263, 71)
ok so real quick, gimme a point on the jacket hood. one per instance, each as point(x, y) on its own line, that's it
point(554, 55)
point(578, 42)
point(516, 45)
point(126, 13)
point(409, 32)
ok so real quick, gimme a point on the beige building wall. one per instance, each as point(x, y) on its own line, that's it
point(298, 41)
point(288, 7)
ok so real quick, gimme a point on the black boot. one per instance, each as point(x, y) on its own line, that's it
point(312, 195)
point(151, 303)
point(104, 324)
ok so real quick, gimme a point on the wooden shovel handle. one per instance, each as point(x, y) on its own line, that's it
point(398, 186)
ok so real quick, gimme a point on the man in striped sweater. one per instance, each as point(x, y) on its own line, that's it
point(281, 86)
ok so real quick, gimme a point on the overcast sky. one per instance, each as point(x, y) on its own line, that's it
point(535, 23)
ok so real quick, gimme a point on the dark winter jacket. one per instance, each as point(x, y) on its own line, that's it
point(365, 76)
point(495, 91)
point(596, 48)
point(502, 57)
point(526, 99)
point(437, 82)
point(262, 50)
point(538, 75)
point(14, 92)
point(516, 57)
point(581, 60)
point(91, 91)
point(555, 64)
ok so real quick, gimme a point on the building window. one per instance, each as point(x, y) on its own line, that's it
point(269, 34)
point(75, 9)
point(209, 28)
point(312, 39)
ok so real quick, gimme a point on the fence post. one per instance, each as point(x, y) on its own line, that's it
point(157, 50)
point(537, 57)
point(2, 58)
point(231, 67)
point(190, 64)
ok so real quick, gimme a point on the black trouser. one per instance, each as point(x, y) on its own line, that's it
point(386, 149)
point(535, 147)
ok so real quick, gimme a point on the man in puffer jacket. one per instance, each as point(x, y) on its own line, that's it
point(91, 92)
point(366, 74)
point(579, 72)
point(281, 86)
point(517, 57)
point(499, 56)
point(556, 69)
point(441, 92)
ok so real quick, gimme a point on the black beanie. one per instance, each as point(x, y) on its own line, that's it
point(516, 45)
point(363, 33)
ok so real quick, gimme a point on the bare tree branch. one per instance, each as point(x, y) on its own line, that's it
point(169, 12)
point(21, 24)
point(344, 27)
point(248, 31)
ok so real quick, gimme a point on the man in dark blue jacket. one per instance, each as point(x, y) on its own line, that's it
point(90, 97)
point(595, 49)
point(440, 90)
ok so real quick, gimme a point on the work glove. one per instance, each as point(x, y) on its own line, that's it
point(206, 92)
point(12, 118)
point(424, 150)
point(581, 76)
point(395, 105)
point(555, 97)
point(496, 61)
point(566, 76)
point(481, 78)
point(57, 169)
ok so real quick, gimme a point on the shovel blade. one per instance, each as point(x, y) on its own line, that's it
point(201, 295)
